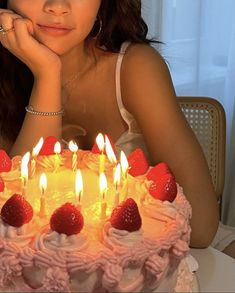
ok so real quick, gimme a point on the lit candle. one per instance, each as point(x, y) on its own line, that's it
point(79, 188)
point(116, 182)
point(57, 151)
point(43, 187)
point(103, 190)
point(74, 148)
point(124, 167)
point(35, 152)
point(25, 172)
point(109, 151)
point(100, 144)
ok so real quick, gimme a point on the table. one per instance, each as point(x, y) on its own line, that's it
point(216, 271)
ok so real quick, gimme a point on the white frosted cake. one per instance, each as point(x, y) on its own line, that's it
point(130, 236)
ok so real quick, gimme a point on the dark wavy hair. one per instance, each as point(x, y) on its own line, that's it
point(117, 21)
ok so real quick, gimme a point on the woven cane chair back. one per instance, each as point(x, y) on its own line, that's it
point(206, 117)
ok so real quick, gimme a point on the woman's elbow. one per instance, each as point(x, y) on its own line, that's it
point(203, 235)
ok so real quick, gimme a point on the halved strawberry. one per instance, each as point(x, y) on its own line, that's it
point(126, 216)
point(48, 146)
point(5, 162)
point(67, 219)
point(16, 211)
point(164, 188)
point(158, 170)
point(96, 150)
point(137, 162)
point(2, 185)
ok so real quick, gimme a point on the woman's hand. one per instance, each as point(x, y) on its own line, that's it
point(19, 40)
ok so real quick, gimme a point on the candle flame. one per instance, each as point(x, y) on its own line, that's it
point(24, 166)
point(100, 142)
point(37, 148)
point(79, 184)
point(124, 163)
point(117, 175)
point(43, 183)
point(57, 148)
point(109, 151)
point(73, 146)
point(103, 184)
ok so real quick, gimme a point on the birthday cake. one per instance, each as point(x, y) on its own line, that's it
point(94, 224)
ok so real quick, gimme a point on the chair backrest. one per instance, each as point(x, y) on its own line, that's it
point(206, 117)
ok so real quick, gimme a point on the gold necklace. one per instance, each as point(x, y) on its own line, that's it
point(71, 80)
point(69, 86)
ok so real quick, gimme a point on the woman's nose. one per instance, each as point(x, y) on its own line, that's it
point(57, 7)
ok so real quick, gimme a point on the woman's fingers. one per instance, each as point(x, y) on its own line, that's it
point(18, 37)
point(17, 31)
point(7, 18)
point(23, 30)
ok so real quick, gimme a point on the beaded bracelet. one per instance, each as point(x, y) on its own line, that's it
point(30, 110)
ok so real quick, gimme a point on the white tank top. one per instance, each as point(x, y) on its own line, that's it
point(132, 138)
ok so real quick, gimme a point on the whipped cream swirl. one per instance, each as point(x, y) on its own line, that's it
point(20, 235)
point(56, 241)
point(114, 237)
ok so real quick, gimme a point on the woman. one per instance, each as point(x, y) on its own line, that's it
point(91, 60)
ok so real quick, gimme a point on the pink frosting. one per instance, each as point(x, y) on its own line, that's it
point(56, 280)
point(122, 261)
point(9, 263)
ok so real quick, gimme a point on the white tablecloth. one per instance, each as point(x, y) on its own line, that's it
point(216, 271)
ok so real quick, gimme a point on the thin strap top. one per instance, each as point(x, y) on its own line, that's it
point(132, 138)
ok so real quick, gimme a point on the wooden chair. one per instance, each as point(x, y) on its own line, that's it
point(206, 117)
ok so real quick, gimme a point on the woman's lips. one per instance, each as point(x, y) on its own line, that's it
point(54, 31)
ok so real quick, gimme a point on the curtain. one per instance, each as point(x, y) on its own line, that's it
point(199, 47)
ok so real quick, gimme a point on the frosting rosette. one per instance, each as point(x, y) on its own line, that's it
point(9, 263)
point(114, 237)
point(21, 236)
point(56, 280)
point(54, 241)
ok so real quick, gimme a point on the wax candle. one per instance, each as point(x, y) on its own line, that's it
point(35, 153)
point(25, 172)
point(79, 188)
point(57, 151)
point(74, 148)
point(124, 168)
point(101, 145)
point(116, 182)
point(43, 187)
point(103, 191)
point(109, 151)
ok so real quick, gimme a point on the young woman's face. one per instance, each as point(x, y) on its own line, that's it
point(59, 24)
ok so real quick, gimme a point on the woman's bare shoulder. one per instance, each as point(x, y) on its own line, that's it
point(145, 75)
point(144, 55)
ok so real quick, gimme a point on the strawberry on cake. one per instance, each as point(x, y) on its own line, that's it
point(139, 246)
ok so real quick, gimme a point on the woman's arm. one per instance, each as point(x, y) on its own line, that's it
point(45, 97)
point(46, 68)
point(149, 95)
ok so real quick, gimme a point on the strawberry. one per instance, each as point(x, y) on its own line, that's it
point(126, 216)
point(67, 219)
point(5, 162)
point(137, 162)
point(48, 146)
point(158, 170)
point(16, 211)
point(2, 185)
point(96, 150)
point(164, 188)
